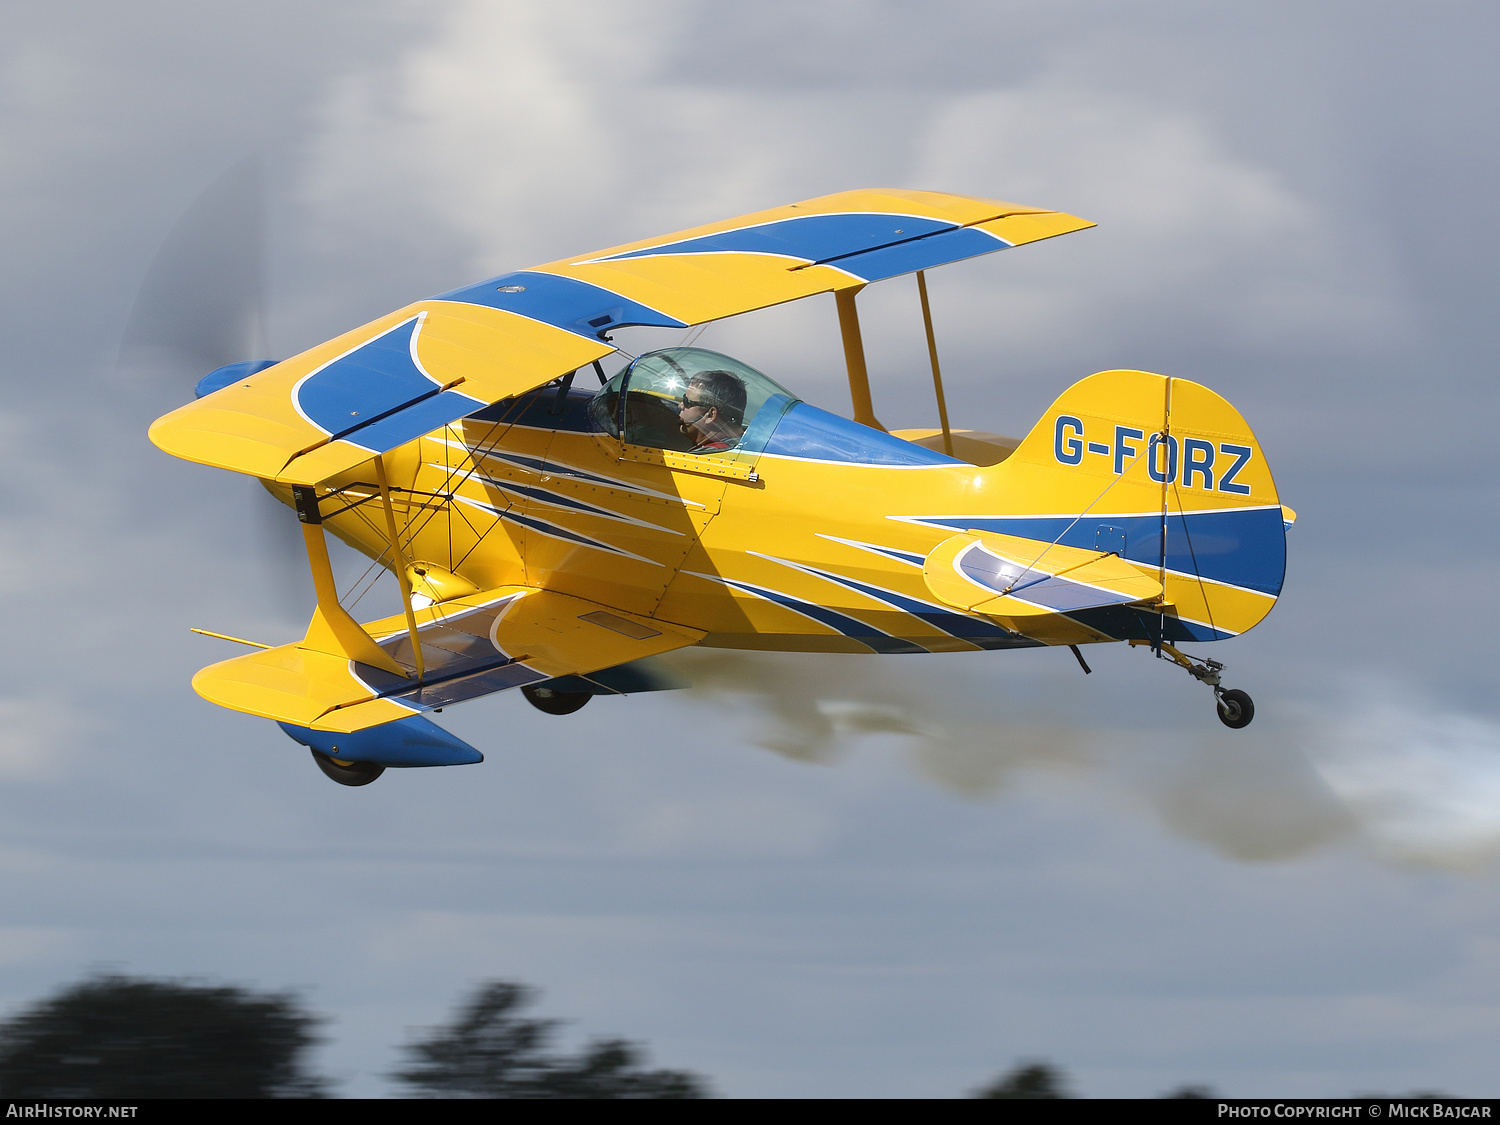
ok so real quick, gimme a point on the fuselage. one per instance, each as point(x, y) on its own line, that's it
point(812, 544)
point(811, 532)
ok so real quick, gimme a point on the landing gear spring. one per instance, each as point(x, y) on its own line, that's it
point(1235, 707)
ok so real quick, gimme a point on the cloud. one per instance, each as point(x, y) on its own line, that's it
point(516, 124)
point(538, 132)
point(1192, 236)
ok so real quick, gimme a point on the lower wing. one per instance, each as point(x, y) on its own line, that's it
point(471, 646)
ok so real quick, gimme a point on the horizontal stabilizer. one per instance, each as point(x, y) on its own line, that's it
point(1008, 576)
point(492, 641)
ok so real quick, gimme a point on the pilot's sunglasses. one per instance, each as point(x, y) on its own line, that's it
point(686, 402)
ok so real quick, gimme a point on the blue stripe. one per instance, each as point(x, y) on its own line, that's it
point(221, 377)
point(954, 624)
point(557, 499)
point(807, 431)
point(541, 525)
point(900, 556)
point(1141, 625)
point(1240, 548)
point(868, 635)
point(553, 468)
point(563, 302)
point(412, 422)
point(810, 238)
point(377, 397)
point(973, 629)
point(908, 557)
point(924, 253)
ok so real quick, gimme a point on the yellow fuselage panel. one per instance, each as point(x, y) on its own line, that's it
point(798, 527)
point(639, 519)
point(744, 561)
point(747, 562)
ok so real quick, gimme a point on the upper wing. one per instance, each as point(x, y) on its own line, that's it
point(368, 391)
point(834, 242)
point(503, 638)
point(333, 407)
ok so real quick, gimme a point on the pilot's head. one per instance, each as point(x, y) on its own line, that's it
point(720, 391)
point(713, 407)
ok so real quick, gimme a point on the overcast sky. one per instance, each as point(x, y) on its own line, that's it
point(812, 876)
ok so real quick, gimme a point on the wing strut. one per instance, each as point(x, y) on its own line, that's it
point(332, 629)
point(937, 374)
point(398, 563)
point(854, 358)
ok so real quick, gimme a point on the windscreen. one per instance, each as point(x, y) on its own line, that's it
point(691, 400)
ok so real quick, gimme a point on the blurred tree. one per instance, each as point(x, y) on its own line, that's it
point(122, 1037)
point(1191, 1091)
point(490, 1050)
point(1029, 1080)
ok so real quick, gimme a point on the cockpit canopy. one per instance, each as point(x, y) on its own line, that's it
point(743, 404)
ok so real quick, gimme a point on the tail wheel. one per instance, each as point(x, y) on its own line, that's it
point(1236, 709)
point(555, 702)
point(348, 773)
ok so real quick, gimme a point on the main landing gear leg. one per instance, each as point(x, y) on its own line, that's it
point(1236, 708)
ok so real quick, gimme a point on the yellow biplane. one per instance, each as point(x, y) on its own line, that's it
point(553, 525)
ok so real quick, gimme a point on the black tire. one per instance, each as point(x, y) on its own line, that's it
point(348, 773)
point(1236, 709)
point(555, 702)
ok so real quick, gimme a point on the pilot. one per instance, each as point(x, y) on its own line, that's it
point(712, 411)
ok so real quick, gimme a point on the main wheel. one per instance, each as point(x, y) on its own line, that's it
point(348, 773)
point(1236, 709)
point(555, 702)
